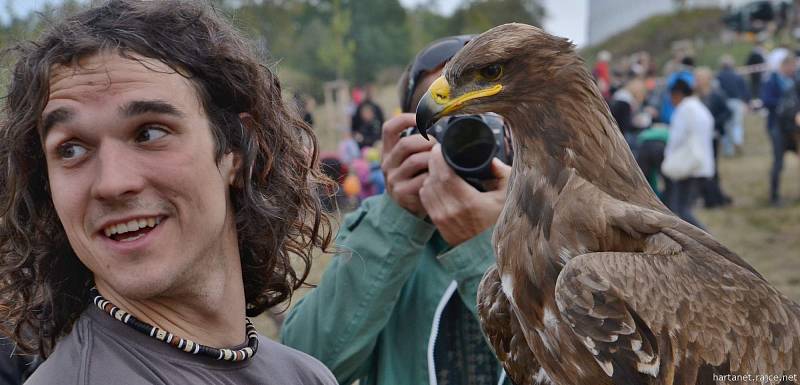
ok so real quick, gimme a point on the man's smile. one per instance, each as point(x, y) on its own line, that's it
point(134, 241)
point(131, 229)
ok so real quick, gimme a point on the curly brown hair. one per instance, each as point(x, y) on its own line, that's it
point(43, 285)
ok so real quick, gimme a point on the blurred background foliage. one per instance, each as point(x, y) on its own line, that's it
point(310, 42)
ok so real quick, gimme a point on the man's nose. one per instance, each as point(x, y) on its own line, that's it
point(118, 174)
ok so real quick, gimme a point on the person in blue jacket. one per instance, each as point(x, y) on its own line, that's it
point(773, 91)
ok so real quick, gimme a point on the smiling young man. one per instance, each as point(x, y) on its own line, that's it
point(150, 202)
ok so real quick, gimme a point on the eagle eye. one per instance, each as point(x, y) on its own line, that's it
point(492, 72)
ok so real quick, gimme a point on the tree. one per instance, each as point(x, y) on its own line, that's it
point(476, 16)
point(338, 50)
point(309, 42)
point(381, 36)
point(425, 26)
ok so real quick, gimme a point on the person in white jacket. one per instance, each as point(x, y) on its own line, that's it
point(692, 125)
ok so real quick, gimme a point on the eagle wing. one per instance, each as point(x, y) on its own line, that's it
point(500, 324)
point(640, 312)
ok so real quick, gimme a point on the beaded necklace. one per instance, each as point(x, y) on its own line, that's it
point(166, 337)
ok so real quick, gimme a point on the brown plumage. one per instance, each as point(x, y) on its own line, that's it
point(596, 281)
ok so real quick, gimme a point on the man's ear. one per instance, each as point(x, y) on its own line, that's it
point(233, 171)
point(245, 120)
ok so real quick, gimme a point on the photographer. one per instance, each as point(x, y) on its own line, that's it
point(398, 305)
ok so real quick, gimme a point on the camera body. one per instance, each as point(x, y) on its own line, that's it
point(469, 142)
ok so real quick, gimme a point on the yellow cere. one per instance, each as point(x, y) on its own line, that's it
point(440, 93)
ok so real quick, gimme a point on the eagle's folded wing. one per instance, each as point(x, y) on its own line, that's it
point(638, 312)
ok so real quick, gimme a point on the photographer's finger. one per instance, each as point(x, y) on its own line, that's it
point(403, 149)
point(393, 127)
point(412, 186)
point(500, 170)
point(409, 191)
point(413, 165)
point(435, 198)
point(438, 166)
point(501, 173)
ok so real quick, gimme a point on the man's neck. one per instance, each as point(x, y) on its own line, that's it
point(211, 315)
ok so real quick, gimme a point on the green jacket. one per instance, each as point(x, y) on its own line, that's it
point(376, 313)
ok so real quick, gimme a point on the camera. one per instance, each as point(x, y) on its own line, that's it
point(469, 142)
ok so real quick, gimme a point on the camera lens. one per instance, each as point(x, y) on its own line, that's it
point(469, 145)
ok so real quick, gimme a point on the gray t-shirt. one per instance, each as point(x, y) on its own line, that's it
point(102, 350)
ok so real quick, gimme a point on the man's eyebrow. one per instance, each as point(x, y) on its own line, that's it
point(141, 107)
point(57, 116)
point(134, 108)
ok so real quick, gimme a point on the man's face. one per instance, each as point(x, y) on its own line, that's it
point(788, 67)
point(675, 98)
point(702, 82)
point(367, 115)
point(132, 174)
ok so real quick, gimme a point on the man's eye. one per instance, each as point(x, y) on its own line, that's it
point(151, 133)
point(70, 151)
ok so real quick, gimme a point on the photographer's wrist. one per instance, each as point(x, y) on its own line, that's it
point(392, 215)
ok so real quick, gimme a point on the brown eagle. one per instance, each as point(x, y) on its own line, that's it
point(597, 282)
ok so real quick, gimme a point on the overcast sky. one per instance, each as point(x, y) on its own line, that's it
point(21, 6)
point(564, 17)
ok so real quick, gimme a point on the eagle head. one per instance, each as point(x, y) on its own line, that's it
point(505, 67)
point(548, 99)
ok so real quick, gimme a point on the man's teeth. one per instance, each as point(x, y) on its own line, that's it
point(132, 238)
point(132, 225)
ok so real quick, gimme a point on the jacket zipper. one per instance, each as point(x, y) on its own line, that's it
point(502, 376)
point(437, 317)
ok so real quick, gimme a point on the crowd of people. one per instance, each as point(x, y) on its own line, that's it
point(640, 99)
point(678, 123)
point(355, 165)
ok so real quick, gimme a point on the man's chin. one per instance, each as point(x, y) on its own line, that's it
point(135, 287)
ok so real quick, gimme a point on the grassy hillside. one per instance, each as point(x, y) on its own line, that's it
point(657, 33)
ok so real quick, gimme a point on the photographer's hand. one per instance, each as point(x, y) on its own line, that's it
point(459, 211)
point(405, 163)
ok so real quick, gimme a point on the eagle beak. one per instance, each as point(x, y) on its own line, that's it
point(436, 103)
point(432, 104)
